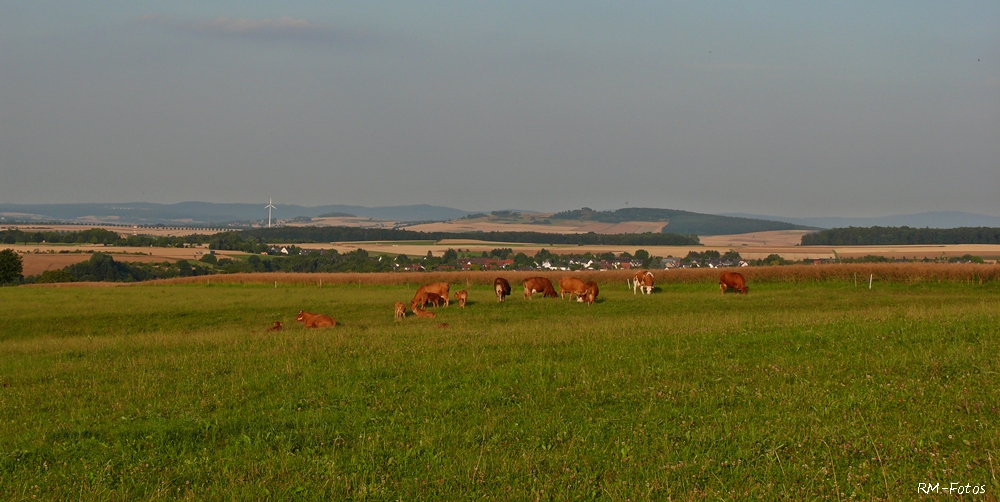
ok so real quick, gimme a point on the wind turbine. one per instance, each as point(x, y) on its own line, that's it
point(269, 207)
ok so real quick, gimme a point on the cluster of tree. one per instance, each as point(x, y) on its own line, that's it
point(711, 256)
point(505, 215)
point(102, 267)
point(252, 240)
point(315, 261)
point(863, 236)
point(679, 222)
point(11, 267)
point(99, 236)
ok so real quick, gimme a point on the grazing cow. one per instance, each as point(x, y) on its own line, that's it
point(502, 288)
point(438, 288)
point(572, 286)
point(591, 294)
point(424, 314)
point(643, 281)
point(424, 297)
point(462, 296)
point(275, 327)
point(315, 320)
point(733, 280)
point(400, 310)
point(541, 285)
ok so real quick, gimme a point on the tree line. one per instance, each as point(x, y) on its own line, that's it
point(99, 236)
point(866, 236)
point(253, 240)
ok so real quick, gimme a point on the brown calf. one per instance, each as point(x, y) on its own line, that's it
point(424, 314)
point(400, 310)
point(591, 294)
point(315, 320)
point(462, 296)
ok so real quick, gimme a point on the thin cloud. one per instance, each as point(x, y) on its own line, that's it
point(282, 28)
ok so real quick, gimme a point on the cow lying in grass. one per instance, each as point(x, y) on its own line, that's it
point(424, 314)
point(315, 320)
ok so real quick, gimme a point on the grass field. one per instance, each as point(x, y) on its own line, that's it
point(804, 389)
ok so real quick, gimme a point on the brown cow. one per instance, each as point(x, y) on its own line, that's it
point(424, 297)
point(315, 320)
point(400, 310)
point(502, 288)
point(541, 285)
point(733, 280)
point(462, 296)
point(438, 288)
point(572, 286)
point(424, 314)
point(591, 294)
point(643, 281)
point(275, 327)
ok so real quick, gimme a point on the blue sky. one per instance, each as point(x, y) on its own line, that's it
point(778, 108)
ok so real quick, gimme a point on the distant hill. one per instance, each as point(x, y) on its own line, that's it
point(939, 219)
point(212, 213)
point(682, 222)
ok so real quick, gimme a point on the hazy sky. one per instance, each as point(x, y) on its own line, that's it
point(782, 108)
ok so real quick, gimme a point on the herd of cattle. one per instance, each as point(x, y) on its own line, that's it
point(586, 292)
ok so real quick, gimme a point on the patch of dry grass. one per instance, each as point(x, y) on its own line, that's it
point(907, 273)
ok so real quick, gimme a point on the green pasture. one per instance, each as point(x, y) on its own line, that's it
point(795, 391)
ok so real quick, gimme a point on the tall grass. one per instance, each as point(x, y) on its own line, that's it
point(801, 390)
point(906, 273)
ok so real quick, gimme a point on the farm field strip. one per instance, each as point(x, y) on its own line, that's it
point(801, 390)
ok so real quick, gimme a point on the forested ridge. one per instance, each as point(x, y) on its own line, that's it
point(864, 236)
point(679, 222)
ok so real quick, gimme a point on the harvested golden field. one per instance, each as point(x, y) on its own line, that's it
point(35, 264)
point(342, 221)
point(773, 238)
point(625, 227)
point(491, 226)
point(37, 258)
